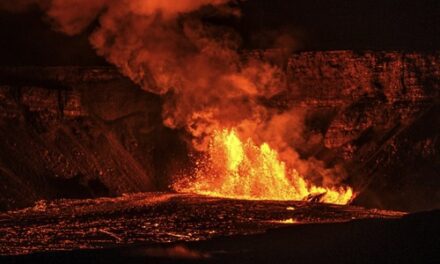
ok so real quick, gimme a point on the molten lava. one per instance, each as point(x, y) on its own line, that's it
point(243, 170)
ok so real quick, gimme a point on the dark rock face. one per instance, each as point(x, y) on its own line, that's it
point(70, 132)
point(383, 120)
point(88, 132)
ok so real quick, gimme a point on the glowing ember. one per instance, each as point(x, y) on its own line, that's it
point(286, 221)
point(243, 170)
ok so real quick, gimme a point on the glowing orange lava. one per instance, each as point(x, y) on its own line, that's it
point(243, 170)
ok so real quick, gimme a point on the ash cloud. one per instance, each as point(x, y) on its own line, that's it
point(207, 82)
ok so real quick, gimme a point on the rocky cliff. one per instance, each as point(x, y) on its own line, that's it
point(89, 132)
point(78, 132)
point(379, 113)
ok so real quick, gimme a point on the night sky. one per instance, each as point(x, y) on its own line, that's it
point(410, 25)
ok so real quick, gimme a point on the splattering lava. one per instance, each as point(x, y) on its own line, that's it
point(238, 169)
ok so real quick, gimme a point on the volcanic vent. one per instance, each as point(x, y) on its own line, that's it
point(243, 170)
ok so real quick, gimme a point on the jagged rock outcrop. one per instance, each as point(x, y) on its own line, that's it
point(85, 132)
point(77, 132)
point(382, 120)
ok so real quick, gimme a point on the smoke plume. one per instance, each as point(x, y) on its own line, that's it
point(172, 49)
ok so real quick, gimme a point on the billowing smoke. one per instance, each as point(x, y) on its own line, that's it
point(174, 49)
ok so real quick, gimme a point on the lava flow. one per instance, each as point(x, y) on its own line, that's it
point(243, 170)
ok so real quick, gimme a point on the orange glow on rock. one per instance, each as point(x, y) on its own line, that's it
point(242, 170)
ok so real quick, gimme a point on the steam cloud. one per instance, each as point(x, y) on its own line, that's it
point(167, 48)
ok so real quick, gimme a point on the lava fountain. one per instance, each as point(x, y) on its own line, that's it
point(238, 169)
